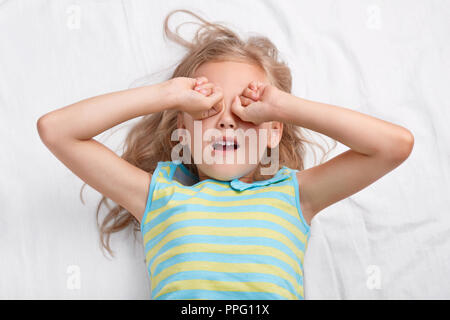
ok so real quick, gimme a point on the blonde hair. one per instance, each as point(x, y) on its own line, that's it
point(149, 141)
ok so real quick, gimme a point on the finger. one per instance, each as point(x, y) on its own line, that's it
point(216, 109)
point(195, 82)
point(245, 101)
point(206, 87)
point(261, 88)
point(249, 93)
point(253, 85)
point(204, 92)
point(201, 80)
point(216, 96)
point(212, 111)
point(237, 108)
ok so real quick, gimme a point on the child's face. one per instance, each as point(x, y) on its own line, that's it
point(233, 78)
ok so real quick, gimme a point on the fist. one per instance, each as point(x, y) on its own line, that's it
point(196, 96)
point(256, 104)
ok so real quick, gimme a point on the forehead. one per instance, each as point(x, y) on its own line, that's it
point(231, 74)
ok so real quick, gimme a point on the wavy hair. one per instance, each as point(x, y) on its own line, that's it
point(149, 140)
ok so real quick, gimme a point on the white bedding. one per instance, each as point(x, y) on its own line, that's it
point(388, 59)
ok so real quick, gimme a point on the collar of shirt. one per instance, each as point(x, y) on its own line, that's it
point(239, 185)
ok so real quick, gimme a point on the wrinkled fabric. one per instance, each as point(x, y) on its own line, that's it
point(387, 59)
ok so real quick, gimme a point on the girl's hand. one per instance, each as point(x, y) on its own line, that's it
point(256, 104)
point(196, 96)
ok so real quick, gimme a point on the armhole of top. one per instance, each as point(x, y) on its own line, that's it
point(297, 200)
point(150, 194)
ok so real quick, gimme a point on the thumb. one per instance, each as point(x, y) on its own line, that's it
point(237, 108)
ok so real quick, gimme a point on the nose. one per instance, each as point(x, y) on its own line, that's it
point(227, 123)
point(226, 117)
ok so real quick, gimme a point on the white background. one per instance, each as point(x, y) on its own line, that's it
point(388, 59)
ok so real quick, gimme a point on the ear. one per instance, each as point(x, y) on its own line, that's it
point(275, 134)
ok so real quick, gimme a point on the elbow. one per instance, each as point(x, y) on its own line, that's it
point(401, 150)
point(46, 129)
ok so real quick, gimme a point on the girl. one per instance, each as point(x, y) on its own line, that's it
point(221, 229)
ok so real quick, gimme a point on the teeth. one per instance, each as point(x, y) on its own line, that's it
point(225, 143)
point(221, 144)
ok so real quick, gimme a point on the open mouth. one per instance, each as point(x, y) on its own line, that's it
point(225, 145)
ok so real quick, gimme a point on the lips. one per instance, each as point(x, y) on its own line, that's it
point(225, 144)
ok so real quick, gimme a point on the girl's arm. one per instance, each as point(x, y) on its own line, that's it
point(377, 146)
point(68, 133)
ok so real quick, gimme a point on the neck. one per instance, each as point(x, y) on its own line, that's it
point(248, 178)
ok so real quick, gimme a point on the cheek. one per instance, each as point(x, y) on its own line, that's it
point(187, 131)
point(194, 128)
point(207, 131)
point(263, 134)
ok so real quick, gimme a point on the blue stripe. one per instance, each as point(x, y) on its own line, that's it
point(164, 215)
point(220, 295)
point(220, 185)
point(186, 207)
point(174, 196)
point(225, 258)
point(265, 206)
point(226, 276)
point(223, 186)
point(226, 240)
point(278, 195)
point(224, 223)
point(219, 208)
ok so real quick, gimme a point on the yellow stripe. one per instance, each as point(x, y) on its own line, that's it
point(201, 184)
point(222, 231)
point(227, 267)
point(219, 231)
point(156, 230)
point(277, 203)
point(161, 193)
point(166, 169)
point(164, 192)
point(215, 285)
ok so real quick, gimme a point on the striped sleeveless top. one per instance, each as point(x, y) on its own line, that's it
point(224, 240)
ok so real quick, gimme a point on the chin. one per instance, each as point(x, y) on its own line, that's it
point(225, 172)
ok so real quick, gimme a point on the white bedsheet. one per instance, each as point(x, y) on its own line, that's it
point(388, 59)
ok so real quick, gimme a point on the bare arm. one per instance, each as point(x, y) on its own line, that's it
point(68, 133)
point(377, 147)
